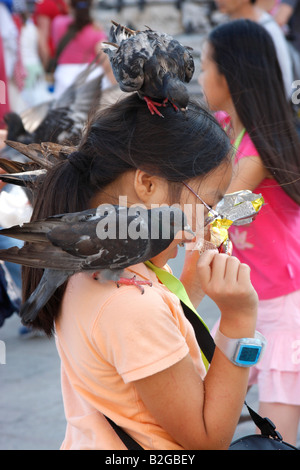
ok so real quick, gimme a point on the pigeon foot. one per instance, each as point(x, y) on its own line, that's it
point(152, 105)
point(128, 282)
point(133, 282)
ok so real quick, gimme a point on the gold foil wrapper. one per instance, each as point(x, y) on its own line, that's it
point(240, 207)
point(237, 208)
point(219, 231)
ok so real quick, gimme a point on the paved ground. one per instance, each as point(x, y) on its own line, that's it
point(31, 408)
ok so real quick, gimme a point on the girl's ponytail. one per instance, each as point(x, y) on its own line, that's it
point(65, 189)
point(82, 14)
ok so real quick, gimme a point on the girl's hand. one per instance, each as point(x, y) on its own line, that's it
point(189, 276)
point(227, 282)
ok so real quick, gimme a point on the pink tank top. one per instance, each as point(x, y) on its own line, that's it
point(81, 49)
point(270, 245)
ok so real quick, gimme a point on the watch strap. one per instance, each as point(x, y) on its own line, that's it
point(229, 346)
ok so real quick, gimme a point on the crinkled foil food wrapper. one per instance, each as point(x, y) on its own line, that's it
point(237, 208)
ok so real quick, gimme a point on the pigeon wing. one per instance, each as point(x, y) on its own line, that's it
point(17, 167)
point(34, 152)
point(128, 61)
point(189, 65)
point(37, 231)
point(41, 256)
point(103, 239)
point(181, 62)
point(27, 179)
point(48, 284)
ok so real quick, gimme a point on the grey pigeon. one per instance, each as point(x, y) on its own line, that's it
point(105, 240)
point(31, 180)
point(154, 64)
point(11, 166)
point(43, 156)
point(31, 174)
point(60, 120)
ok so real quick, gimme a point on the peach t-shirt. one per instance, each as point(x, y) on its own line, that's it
point(107, 338)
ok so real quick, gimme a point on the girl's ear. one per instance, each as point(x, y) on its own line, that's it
point(150, 189)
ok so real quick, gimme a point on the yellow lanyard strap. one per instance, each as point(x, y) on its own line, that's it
point(239, 139)
point(175, 285)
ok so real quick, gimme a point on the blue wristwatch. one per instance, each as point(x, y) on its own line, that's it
point(243, 352)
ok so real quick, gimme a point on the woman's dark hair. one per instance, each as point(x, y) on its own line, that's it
point(82, 14)
point(82, 18)
point(123, 138)
point(245, 54)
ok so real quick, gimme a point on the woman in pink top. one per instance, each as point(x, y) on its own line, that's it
point(240, 76)
point(131, 357)
point(81, 50)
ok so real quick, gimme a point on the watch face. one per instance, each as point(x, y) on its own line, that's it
point(248, 354)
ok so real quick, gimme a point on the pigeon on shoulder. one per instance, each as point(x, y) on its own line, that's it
point(102, 241)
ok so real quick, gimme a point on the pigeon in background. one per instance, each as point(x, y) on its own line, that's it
point(31, 174)
point(61, 120)
point(154, 64)
point(42, 155)
point(64, 119)
point(11, 166)
point(103, 241)
point(16, 129)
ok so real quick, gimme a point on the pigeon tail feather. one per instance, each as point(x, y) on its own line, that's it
point(50, 281)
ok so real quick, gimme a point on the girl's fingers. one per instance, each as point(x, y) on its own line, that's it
point(205, 267)
point(231, 269)
point(227, 282)
point(244, 273)
point(219, 268)
point(212, 268)
point(221, 272)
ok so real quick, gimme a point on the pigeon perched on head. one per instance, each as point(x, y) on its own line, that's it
point(105, 240)
point(154, 64)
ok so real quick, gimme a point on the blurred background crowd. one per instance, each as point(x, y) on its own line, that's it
point(45, 37)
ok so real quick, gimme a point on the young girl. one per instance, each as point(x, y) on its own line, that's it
point(133, 357)
point(241, 77)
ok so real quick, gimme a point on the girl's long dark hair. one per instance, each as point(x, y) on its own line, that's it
point(82, 16)
point(245, 54)
point(121, 138)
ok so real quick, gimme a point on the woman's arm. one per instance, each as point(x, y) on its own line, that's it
point(283, 14)
point(43, 25)
point(204, 414)
point(248, 173)
point(3, 134)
